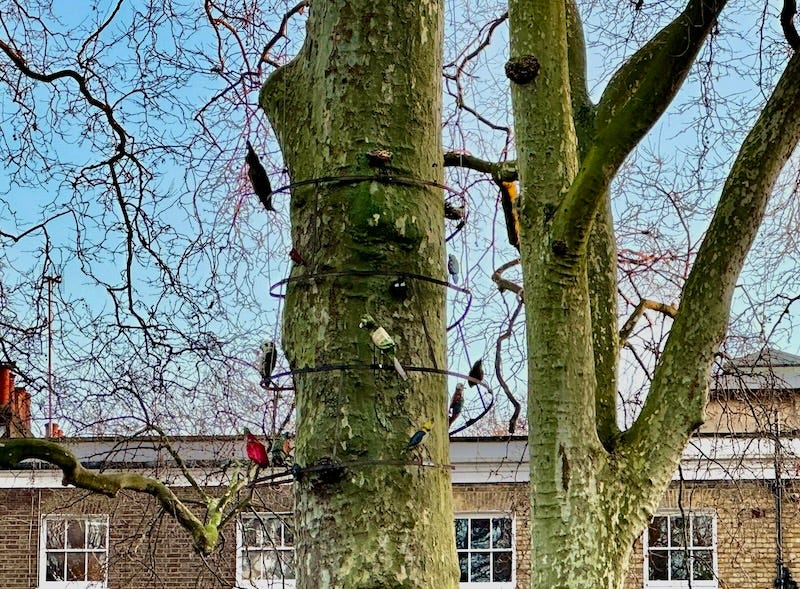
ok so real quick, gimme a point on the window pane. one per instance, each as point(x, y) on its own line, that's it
point(678, 567)
point(250, 532)
point(702, 530)
point(96, 534)
point(501, 533)
point(703, 565)
point(272, 532)
point(55, 566)
point(463, 565)
point(678, 532)
point(247, 571)
point(288, 535)
point(95, 566)
point(55, 533)
point(273, 565)
point(76, 566)
point(256, 565)
point(657, 532)
point(479, 537)
point(76, 534)
point(479, 567)
point(501, 566)
point(461, 534)
point(287, 560)
point(657, 565)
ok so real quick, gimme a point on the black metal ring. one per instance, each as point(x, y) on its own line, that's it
point(399, 275)
point(382, 178)
point(467, 377)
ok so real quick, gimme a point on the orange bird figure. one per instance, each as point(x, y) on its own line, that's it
point(256, 450)
point(508, 198)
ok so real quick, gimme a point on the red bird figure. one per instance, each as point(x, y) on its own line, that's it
point(256, 450)
point(457, 402)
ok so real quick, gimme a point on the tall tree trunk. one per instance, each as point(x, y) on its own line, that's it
point(369, 513)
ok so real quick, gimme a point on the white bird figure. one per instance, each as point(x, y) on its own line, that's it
point(383, 341)
point(268, 359)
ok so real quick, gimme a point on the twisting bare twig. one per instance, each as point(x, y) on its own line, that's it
point(502, 283)
point(498, 366)
point(296, 9)
point(668, 310)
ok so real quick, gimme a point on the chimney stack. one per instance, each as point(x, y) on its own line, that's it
point(15, 405)
point(6, 383)
point(51, 430)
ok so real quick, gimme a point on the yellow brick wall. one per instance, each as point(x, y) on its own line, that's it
point(746, 547)
point(510, 499)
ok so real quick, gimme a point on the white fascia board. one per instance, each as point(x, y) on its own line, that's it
point(52, 478)
point(489, 461)
point(473, 461)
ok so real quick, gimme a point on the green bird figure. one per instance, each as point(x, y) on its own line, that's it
point(416, 437)
point(383, 341)
point(476, 373)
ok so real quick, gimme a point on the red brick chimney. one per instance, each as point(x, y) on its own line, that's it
point(15, 406)
point(6, 383)
point(51, 430)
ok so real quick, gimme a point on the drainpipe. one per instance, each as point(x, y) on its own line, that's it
point(777, 491)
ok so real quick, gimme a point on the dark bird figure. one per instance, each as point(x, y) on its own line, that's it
point(269, 356)
point(453, 212)
point(256, 450)
point(296, 257)
point(416, 437)
point(508, 198)
point(457, 402)
point(258, 178)
point(476, 373)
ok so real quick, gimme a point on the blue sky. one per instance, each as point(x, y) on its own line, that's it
point(223, 251)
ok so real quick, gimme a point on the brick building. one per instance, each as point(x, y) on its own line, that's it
point(724, 523)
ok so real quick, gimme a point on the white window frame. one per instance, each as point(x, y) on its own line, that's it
point(496, 515)
point(52, 517)
point(275, 583)
point(682, 584)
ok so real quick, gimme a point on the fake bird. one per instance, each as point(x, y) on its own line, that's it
point(453, 212)
point(508, 198)
point(269, 356)
point(453, 268)
point(476, 373)
point(457, 402)
point(255, 450)
point(296, 257)
point(258, 178)
point(416, 437)
point(383, 341)
point(276, 452)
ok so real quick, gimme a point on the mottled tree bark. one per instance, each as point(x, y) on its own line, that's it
point(593, 487)
point(367, 78)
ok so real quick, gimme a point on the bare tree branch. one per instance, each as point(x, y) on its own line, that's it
point(627, 328)
point(787, 24)
point(498, 366)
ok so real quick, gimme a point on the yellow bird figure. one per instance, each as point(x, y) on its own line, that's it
point(508, 198)
point(416, 437)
